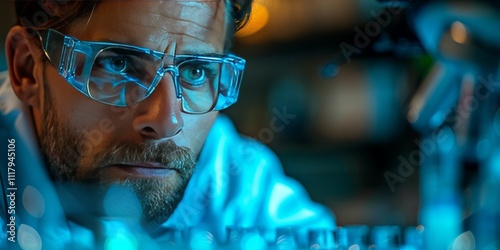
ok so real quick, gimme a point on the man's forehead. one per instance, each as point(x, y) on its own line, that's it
point(184, 21)
point(199, 11)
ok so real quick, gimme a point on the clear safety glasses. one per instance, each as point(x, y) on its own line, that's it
point(122, 75)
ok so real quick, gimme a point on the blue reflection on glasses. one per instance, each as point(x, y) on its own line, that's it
point(122, 75)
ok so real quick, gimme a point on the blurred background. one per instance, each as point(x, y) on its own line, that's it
point(327, 87)
point(344, 77)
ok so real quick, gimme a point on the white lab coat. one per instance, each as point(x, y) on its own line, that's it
point(237, 182)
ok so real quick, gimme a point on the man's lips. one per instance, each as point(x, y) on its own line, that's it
point(144, 169)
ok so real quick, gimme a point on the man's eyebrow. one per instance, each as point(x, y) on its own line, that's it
point(112, 41)
point(199, 53)
point(195, 52)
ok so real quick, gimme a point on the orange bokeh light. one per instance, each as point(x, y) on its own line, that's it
point(258, 19)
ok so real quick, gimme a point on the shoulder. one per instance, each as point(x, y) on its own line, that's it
point(238, 144)
point(10, 105)
point(4, 83)
point(239, 149)
point(3, 76)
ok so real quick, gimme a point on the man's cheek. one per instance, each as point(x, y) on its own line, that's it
point(96, 136)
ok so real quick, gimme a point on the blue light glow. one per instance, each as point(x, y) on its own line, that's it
point(252, 242)
point(121, 241)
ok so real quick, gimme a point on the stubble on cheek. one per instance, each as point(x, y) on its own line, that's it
point(59, 146)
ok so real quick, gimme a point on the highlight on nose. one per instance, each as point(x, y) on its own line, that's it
point(160, 123)
point(159, 115)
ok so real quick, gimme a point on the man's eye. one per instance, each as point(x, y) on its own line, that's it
point(116, 64)
point(193, 75)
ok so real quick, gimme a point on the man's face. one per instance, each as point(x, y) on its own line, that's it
point(150, 147)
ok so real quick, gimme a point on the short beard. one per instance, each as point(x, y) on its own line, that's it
point(71, 162)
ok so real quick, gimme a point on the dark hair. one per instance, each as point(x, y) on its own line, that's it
point(44, 14)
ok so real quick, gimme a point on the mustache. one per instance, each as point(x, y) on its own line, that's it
point(166, 153)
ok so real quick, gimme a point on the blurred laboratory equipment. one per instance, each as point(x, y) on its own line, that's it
point(456, 111)
point(242, 238)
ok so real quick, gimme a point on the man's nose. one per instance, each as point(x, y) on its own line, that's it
point(159, 115)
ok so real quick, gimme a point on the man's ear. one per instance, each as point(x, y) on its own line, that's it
point(25, 64)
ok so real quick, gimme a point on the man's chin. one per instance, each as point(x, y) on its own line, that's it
point(147, 201)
